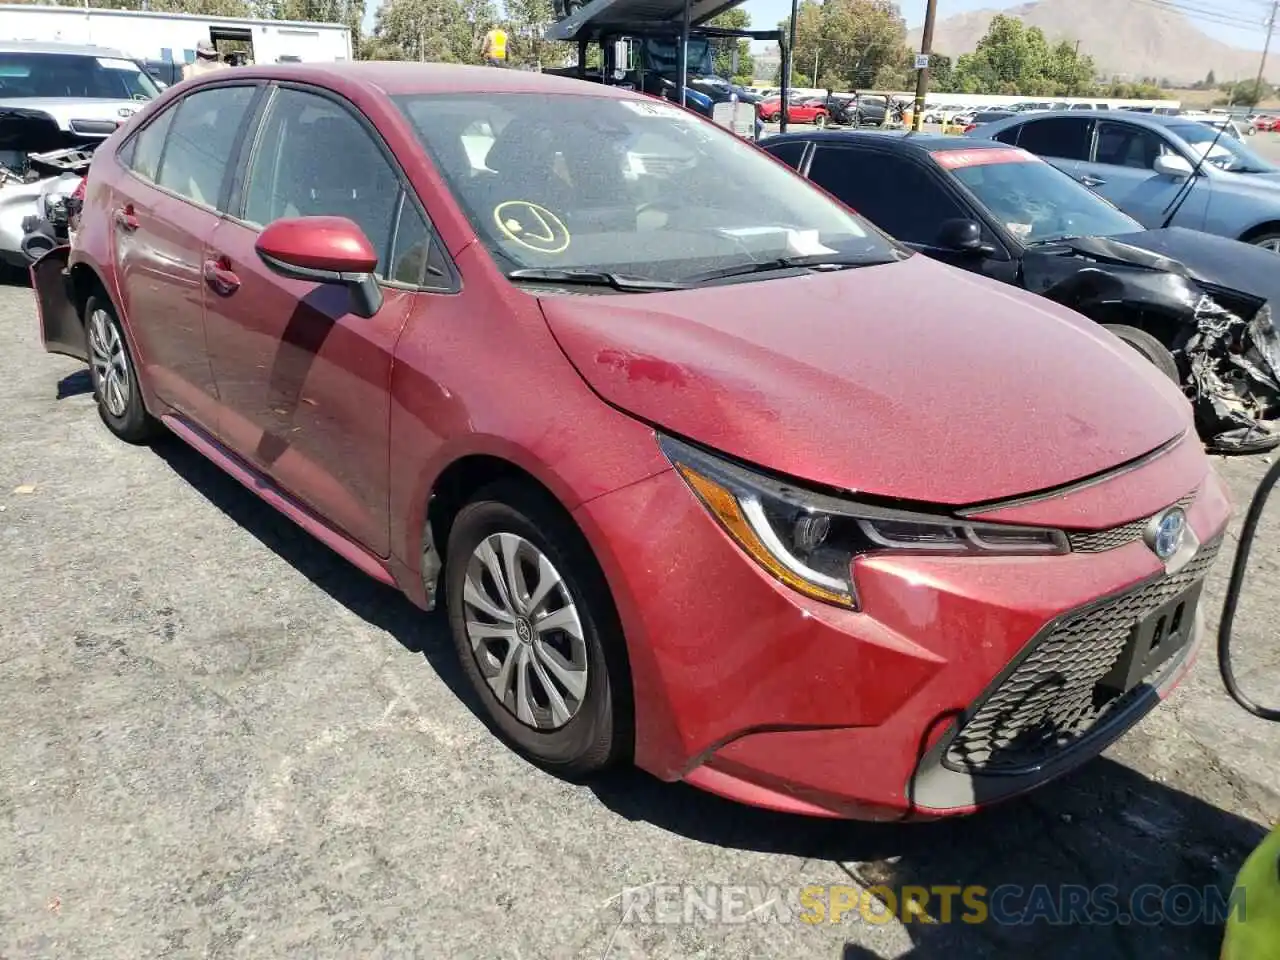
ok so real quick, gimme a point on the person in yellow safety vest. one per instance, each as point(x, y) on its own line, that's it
point(1253, 933)
point(495, 47)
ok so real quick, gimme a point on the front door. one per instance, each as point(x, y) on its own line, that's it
point(1123, 171)
point(303, 382)
point(163, 214)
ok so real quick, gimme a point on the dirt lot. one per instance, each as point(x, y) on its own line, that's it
point(219, 740)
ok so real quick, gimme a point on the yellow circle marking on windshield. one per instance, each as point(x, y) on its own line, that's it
point(531, 226)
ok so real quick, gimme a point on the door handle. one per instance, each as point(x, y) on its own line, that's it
point(126, 219)
point(1089, 181)
point(220, 277)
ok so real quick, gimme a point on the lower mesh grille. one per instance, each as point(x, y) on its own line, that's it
point(1053, 698)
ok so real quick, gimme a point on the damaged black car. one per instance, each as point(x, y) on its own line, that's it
point(1197, 306)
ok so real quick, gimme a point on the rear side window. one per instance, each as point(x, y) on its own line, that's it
point(148, 145)
point(313, 158)
point(1064, 138)
point(898, 196)
point(790, 153)
point(202, 134)
point(1008, 135)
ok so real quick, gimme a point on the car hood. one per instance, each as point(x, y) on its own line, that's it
point(910, 380)
point(1208, 258)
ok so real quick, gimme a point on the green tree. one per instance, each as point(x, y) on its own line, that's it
point(1017, 60)
point(1210, 80)
point(447, 31)
point(526, 24)
point(723, 49)
point(847, 42)
point(1246, 92)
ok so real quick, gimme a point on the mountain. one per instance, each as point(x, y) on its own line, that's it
point(1123, 37)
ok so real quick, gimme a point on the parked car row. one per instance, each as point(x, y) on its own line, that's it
point(1195, 305)
point(557, 356)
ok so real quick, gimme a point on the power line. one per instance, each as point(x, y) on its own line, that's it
point(1200, 12)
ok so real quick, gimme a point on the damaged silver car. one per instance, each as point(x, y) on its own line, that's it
point(1199, 307)
point(57, 102)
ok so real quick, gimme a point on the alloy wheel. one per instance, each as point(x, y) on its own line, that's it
point(110, 363)
point(1271, 243)
point(525, 632)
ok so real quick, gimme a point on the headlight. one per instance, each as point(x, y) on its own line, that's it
point(809, 540)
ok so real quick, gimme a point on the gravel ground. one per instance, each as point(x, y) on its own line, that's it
point(221, 741)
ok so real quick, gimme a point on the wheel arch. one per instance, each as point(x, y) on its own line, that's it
point(1261, 229)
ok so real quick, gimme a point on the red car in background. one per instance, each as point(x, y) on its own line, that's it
point(807, 110)
point(669, 432)
point(1266, 124)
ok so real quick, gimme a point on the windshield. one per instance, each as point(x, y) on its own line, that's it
point(631, 186)
point(1227, 154)
point(27, 75)
point(663, 56)
point(1035, 201)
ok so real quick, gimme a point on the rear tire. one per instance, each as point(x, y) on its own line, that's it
point(1268, 241)
point(1149, 347)
point(539, 639)
point(116, 389)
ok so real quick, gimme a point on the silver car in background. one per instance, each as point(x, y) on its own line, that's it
point(1141, 163)
point(57, 102)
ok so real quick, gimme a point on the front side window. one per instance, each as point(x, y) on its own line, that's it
point(1063, 138)
point(790, 153)
point(633, 186)
point(1036, 201)
point(1125, 145)
point(197, 151)
point(892, 192)
point(28, 75)
point(314, 158)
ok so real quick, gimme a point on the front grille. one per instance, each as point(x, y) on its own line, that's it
point(1096, 541)
point(1053, 697)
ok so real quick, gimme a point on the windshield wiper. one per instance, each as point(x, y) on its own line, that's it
point(594, 278)
point(816, 261)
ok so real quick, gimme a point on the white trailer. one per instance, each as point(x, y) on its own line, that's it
point(172, 37)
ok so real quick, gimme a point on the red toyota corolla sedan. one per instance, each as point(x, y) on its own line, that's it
point(708, 473)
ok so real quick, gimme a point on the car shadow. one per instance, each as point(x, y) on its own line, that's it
point(1105, 824)
point(385, 607)
point(75, 384)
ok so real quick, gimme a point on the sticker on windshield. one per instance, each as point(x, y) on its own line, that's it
point(111, 63)
point(1020, 230)
point(957, 159)
point(531, 226)
point(654, 108)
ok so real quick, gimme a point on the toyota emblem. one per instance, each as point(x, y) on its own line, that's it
point(1166, 532)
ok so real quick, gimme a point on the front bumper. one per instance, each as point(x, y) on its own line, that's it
point(748, 690)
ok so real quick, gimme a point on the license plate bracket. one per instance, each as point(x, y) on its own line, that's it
point(1153, 641)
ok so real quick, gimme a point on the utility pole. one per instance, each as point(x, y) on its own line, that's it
point(922, 74)
point(1266, 48)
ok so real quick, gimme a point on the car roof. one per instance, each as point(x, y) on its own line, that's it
point(903, 140)
point(395, 78)
point(70, 49)
point(1151, 120)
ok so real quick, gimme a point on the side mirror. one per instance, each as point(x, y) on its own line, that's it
point(963, 236)
point(1172, 165)
point(1260, 659)
point(324, 250)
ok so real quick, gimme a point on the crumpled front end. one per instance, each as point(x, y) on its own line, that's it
point(1234, 377)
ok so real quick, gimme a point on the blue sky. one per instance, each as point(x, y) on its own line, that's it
point(766, 13)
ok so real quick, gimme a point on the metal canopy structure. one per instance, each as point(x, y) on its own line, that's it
point(600, 18)
point(602, 21)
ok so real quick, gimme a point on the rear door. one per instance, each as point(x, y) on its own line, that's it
point(164, 212)
point(1063, 141)
point(304, 384)
point(1122, 169)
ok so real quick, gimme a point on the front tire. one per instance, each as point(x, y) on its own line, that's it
point(1149, 347)
point(1267, 241)
point(536, 631)
point(115, 378)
